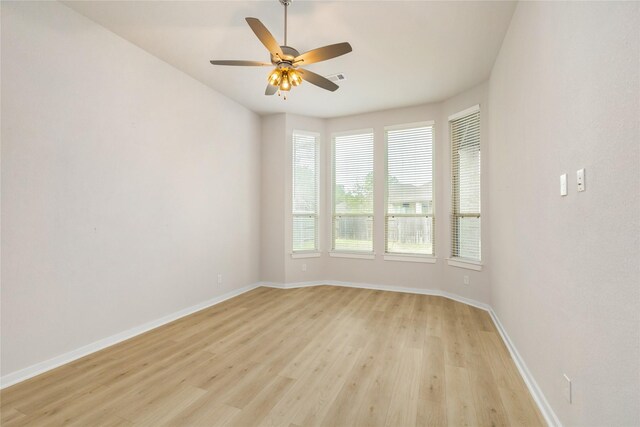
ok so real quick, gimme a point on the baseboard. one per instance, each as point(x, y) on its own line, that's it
point(546, 410)
point(47, 365)
point(435, 292)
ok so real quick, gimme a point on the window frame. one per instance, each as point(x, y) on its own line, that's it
point(455, 260)
point(339, 253)
point(307, 253)
point(405, 256)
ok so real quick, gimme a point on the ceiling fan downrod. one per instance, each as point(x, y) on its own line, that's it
point(286, 4)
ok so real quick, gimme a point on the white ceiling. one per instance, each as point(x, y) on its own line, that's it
point(404, 52)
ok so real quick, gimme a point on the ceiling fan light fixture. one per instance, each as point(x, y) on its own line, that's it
point(294, 78)
point(285, 84)
point(275, 77)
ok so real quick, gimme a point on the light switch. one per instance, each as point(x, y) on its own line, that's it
point(580, 180)
point(563, 184)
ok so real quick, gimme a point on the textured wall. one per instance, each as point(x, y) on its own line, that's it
point(565, 94)
point(272, 198)
point(120, 179)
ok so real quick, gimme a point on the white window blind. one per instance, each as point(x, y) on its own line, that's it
point(465, 167)
point(353, 192)
point(305, 192)
point(409, 220)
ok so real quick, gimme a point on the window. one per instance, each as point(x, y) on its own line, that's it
point(409, 220)
point(353, 192)
point(465, 172)
point(305, 192)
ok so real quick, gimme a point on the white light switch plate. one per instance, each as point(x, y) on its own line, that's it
point(563, 184)
point(580, 180)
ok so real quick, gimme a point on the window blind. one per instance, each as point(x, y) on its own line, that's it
point(409, 220)
point(353, 192)
point(305, 192)
point(465, 167)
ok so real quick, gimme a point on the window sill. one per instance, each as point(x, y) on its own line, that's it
point(465, 263)
point(410, 258)
point(352, 255)
point(296, 255)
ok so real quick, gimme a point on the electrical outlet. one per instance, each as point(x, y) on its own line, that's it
point(466, 280)
point(219, 279)
point(567, 388)
point(304, 267)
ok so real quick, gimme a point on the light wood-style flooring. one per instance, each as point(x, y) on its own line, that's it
point(316, 356)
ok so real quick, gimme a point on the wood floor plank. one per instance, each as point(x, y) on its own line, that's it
point(325, 392)
point(461, 409)
point(434, 320)
point(417, 322)
point(166, 406)
point(405, 398)
point(389, 342)
point(502, 367)
point(258, 409)
point(519, 408)
point(313, 356)
point(295, 399)
point(432, 410)
point(203, 412)
point(486, 396)
point(11, 417)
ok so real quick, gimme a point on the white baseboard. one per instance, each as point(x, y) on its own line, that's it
point(38, 368)
point(546, 410)
point(435, 292)
point(47, 365)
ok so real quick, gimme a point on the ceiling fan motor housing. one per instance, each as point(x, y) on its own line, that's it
point(289, 55)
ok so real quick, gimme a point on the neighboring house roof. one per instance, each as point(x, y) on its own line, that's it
point(400, 192)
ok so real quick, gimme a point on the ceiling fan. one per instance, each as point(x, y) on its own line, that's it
point(287, 60)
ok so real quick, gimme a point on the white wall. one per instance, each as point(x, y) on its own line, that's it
point(121, 177)
point(272, 204)
point(565, 94)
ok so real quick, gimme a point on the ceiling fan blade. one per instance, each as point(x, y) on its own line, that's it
point(265, 36)
point(318, 80)
point(271, 90)
point(240, 63)
point(324, 53)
